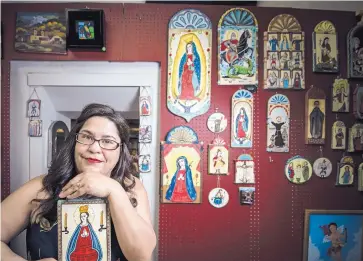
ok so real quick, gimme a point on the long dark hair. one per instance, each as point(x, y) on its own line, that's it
point(63, 168)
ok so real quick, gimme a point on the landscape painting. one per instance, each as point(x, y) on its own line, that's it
point(40, 32)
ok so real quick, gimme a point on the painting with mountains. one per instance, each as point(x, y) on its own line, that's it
point(39, 32)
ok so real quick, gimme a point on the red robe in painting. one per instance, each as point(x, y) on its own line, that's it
point(180, 193)
point(187, 90)
point(84, 251)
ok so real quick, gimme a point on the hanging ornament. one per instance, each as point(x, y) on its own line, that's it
point(322, 166)
point(218, 197)
point(217, 122)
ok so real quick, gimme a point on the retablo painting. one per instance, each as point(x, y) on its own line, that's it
point(315, 116)
point(322, 167)
point(333, 235)
point(340, 95)
point(325, 48)
point(245, 170)
point(278, 123)
point(189, 64)
point(237, 48)
point(217, 122)
point(358, 102)
point(355, 50)
point(84, 231)
point(298, 170)
point(345, 171)
point(355, 138)
point(242, 119)
point(181, 174)
point(40, 32)
point(339, 136)
point(284, 54)
point(218, 157)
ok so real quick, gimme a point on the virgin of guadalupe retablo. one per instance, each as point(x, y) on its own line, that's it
point(218, 157)
point(83, 230)
point(278, 123)
point(355, 50)
point(237, 48)
point(284, 54)
point(242, 119)
point(181, 167)
point(325, 48)
point(338, 136)
point(298, 170)
point(315, 114)
point(340, 95)
point(358, 102)
point(345, 173)
point(189, 64)
point(355, 139)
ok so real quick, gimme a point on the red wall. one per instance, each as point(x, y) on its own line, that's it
point(271, 229)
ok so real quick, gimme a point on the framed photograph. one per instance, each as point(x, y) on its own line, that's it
point(84, 231)
point(333, 235)
point(85, 29)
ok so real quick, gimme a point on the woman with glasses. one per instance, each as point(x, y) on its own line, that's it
point(93, 162)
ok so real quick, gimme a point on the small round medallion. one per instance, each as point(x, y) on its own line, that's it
point(217, 122)
point(218, 197)
point(298, 170)
point(322, 167)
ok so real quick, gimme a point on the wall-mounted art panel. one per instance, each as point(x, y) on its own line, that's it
point(355, 138)
point(218, 157)
point(355, 51)
point(340, 95)
point(338, 136)
point(358, 102)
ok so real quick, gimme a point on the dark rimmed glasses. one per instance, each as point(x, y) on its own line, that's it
point(88, 139)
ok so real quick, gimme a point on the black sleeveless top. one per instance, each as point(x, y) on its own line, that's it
point(44, 244)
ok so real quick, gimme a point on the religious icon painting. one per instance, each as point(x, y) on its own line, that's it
point(245, 170)
point(144, 163)
point(355, 50)
point(35, 128)
point(284, 54)
point(145, 133)
point(360, 177)
point(355, 138)
point(322, 167)
point(84, 230)
point(298, 170)
point(278, 123)
point(340, 95)
point(145, 105)
point(217, 122)
point(315, 116)
point(189, 64)
point(218, 157)
point(237, 48)
point(358, 102)
point(181, 174)
point(338, 136)
point(242, 119)
point(33, 108)
point(246, 195)
point(218, 197)
point(325, 48)
point(345, 173)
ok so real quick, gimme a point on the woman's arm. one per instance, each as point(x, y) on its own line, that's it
point(134, 230)
point(15, 213)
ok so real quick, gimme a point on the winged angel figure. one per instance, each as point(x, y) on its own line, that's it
point(338, 238)
point(238, 55)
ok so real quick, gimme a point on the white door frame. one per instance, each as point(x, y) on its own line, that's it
point(24, 75)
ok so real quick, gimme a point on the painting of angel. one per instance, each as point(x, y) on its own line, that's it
point(333, 235)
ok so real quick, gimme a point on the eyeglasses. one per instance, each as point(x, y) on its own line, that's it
point(87, 139)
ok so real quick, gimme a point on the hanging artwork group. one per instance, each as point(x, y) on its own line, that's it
point(237, 48)
point(189, 64)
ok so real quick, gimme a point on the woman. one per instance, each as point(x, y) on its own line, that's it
point(93, 162)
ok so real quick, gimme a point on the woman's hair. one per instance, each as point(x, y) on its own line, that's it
point(63, 167)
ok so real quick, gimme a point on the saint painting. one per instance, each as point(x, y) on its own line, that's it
point(242, 119)
point(340, 96)
point(355, 51)
point(144, 107)
point(345, 171)
point(325, 48)
point(189, 57)
point(218, 157)
point(298, 170)
point(355, 139)
point(237, 40)
point(358, 102)
point(339, 136)
point(316, 121)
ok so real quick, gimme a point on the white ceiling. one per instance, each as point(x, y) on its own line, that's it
point(70, 100)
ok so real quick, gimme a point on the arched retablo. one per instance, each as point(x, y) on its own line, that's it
point(284, 23)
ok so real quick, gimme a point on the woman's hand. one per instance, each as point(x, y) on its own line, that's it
point(89, 183)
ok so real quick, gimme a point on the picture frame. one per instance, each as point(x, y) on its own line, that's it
point(94, 215)
point(318, 228)
point(85, 29)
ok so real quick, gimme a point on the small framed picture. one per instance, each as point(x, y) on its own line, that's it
point(84, 231)
point(35, 128)
point(33, 108)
